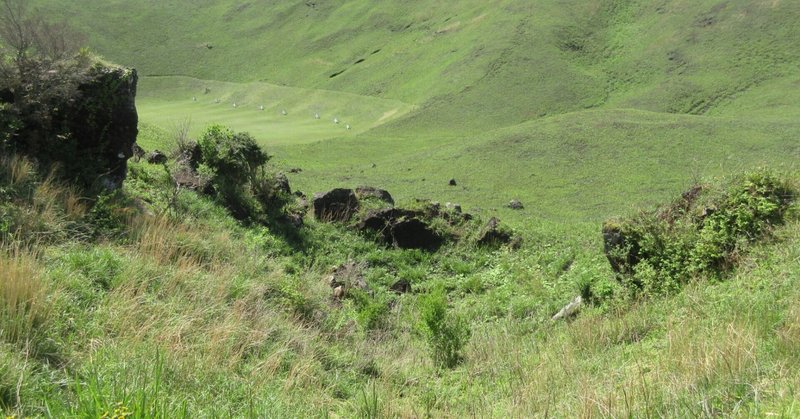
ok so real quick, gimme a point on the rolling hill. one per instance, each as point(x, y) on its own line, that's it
point(501, 84)
point(158, 301)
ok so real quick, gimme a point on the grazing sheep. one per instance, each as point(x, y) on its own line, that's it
point(335, 120)
point(284, 113)
point(316, 115)
point(261, 107)
point(347, 126)
point(194, 98)
point(234, 104)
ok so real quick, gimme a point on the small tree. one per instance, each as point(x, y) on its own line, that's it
point(445, 332)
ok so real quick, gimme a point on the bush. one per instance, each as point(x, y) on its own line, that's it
point(704, 232)
point(445, 332)
point(235, 166)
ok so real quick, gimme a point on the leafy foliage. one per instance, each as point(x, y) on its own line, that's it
point(234, 163)
point(705, 232)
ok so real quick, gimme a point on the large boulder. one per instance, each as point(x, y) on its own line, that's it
point(88, 131)
point(104, 122)
point(335, 205)
point(402, 228)
point(366, 192)
point(413, 233)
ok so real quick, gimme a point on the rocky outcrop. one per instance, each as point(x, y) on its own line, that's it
point(367, 192)
point(335, 205)
point(104, 122)
point(413, 233)
point(88, 132)
point(402, 228)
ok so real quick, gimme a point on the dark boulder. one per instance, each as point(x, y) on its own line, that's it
point(138, 152)
point(156, 157)
point(384, 220)
point(88, 131)
point(365, 192)
point(493, 235)
point(402, 286)
point(402, 228)
point(413, 233)
point(335, 205)
point(515, 204)
point(104, 121)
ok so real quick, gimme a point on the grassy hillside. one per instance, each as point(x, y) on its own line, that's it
point(494, 95)
point(156, 302)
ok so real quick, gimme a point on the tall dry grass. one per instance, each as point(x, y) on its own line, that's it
point(24, 310)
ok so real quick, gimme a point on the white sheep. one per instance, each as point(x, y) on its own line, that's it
point(234, 104)
point(284, 113)
point(347, 126)
point(261, 107)
point(335, 120)
point(316, 115)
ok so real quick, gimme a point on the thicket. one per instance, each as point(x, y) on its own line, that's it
point(705, 232)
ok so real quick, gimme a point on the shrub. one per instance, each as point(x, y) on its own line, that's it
point(445, 332)
point(235, 166)
point(703, 232)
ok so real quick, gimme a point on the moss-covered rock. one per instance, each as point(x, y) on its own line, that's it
point(87, 132)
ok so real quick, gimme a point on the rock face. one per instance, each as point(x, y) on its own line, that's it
point(365, 192)
point(104, 121)
point(89, 135)
point(335, 205)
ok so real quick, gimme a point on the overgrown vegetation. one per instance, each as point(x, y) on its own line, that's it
point(705, 233)
point(162, 300)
